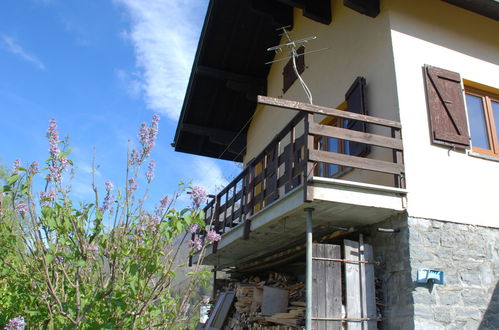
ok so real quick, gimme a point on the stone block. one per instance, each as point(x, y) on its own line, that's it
point(449, 298)
point(456, 326)
point(421, 324)
point(423, 311)
point(422, 223)
point(471, 278)
point(474, 297)
point(443, 314)
point(422, 296)
point(473, 325)
point(432, 238)
point(448, 240)
point(467, 313)
point(421, 254)
point(437, 224)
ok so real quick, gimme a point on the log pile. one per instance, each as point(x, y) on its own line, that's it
point(250, 297)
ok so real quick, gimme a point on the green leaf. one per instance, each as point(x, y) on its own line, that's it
point(81, 263)
point(12, 179)
point(49, 258)
point(188, 219)
point(6, 188)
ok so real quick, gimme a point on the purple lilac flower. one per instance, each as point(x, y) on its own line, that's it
point(17, 163)
point(134, 157)
point(56, 166)
point(16, 323)
point(47, 198)
point(34, 168)
point(106, 205)
point(92, 248)
point(198, 196)
point(193, 228)
point(154, 220)
point(212, 236)
point(196, 242)
point(22, 208)
point(109, 186)
point(147, 138)
point(132, 184)
point(150, 173)
point(53, 137)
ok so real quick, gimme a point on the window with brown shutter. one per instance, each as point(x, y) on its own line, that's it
point(356, 102)
point(288, 73)
point(446, 107)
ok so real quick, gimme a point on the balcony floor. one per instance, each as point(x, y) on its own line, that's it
point(337, 203)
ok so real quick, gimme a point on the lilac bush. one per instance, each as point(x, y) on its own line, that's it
point(107, 263)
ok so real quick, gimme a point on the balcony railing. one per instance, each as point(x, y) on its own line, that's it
point(294, 156)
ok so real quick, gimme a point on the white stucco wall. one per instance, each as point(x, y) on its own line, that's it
point(443, 184)
point(390, 52)
point(357, 46)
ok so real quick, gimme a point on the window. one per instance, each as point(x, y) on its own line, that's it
point(483, 117)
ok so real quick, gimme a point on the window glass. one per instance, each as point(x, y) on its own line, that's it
point(476, 117)
point(333, 147)
point(495, 111)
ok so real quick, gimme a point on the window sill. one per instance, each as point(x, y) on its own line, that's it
point(477, 155)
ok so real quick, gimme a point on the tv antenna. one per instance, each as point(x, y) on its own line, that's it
point(292, 45)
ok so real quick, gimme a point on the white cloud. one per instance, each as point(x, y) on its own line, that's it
point(130, 82)
point(207, 174)
point(12, 46)
point(164, 34)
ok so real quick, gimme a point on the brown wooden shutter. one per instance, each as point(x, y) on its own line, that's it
point(446, 107)
point(356, 102)
point(288, 73)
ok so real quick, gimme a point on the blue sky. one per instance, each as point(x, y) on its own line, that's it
point(100, 67)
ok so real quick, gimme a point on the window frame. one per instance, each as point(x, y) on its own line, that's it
point(487, 98)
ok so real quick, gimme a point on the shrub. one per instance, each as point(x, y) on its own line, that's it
point(108, 263)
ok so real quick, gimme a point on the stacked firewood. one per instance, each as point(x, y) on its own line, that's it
point(248, 305)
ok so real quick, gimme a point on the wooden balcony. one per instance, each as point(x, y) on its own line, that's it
point(300, 169)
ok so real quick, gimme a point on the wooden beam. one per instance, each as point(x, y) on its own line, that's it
point(316, 109)
point(208, 131)
point(230, 76)
point(217, 136)
point(356, 136)
point(366, 7)
point(357, 162)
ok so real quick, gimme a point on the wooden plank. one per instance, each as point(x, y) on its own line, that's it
point(352, 281)
point(308, 191)
point(321, 288)
point(356, 136)
point(221, 310)
point(357, 162)
point(369, 288)
point(293, 105)
point(275, 300)
point(398, 159)
point(315, 287)
point(333, 286)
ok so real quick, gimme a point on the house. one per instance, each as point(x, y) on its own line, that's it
point(399, 151)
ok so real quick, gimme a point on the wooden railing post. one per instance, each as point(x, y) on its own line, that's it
point(398, 159)
point(308, 169)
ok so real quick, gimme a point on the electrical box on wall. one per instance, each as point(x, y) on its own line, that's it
point(430, 275)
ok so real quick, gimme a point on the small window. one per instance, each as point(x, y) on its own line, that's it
point(483, 117)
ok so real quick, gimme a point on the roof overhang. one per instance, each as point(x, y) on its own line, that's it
point(229, 71)
point(227, 75)
point(488, 8)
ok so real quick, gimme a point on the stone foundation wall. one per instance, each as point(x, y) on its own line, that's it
point(394, 291)
point(469, 257)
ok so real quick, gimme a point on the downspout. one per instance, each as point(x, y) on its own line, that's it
point(308, 319)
